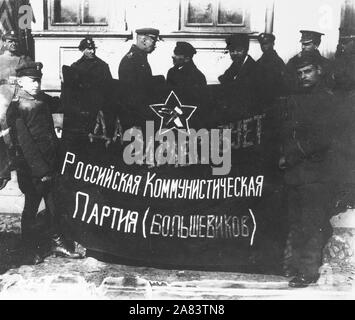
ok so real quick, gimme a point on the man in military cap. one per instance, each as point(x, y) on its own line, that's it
point(242, 71)
point(310, 41)
point(344, 64)
point(344, 75)
point(134, 68)
point(32, 133)
point(9, 60)
point(272, 69)
point(93, 71)
point(91, 81)
point(307, 133)
point(185, 73)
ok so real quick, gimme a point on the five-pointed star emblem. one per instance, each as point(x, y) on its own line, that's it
point(173, 114)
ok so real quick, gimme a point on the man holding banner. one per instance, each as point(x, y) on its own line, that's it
point(32, 134)
point(306, 144)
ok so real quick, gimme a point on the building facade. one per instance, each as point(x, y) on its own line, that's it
point(61, 24)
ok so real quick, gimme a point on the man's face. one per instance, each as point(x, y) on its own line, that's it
point(238, 54)
point(149, 44)
point(30, 85)
point(347, 46)
point(308, 76)
point(179, 60)
point(309, 47)
point(89, 53)
point(267, 46)
point(11, 45)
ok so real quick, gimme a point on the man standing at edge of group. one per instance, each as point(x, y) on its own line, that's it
point(310, 41)
point(344, 76)
point(33, 135)
point(9, 61)
point(307, 141)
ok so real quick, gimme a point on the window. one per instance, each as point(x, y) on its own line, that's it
point(215, 16)
point(86, 15)
point(68, 12)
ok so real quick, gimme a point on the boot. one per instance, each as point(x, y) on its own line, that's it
point(31, 252)
point(59, 249)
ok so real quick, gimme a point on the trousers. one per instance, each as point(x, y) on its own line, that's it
point(309, 212)
point(34, 191)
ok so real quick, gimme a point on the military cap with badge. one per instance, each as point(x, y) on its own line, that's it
point(30, 69)
point(309, 36)
point(10, 35)
point(266, 38)
point(150, 32)
point(87, 43)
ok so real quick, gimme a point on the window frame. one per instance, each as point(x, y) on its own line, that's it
point(215, 26)
point(114, 24)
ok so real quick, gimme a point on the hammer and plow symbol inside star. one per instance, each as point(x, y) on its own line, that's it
point(173, 114)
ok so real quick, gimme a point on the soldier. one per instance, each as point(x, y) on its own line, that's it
point(310, 41)
point(344, 74)
point(32, 133)
point(95, 71)
point(185, 73)
point(272, 68)
point(242, 72)
point(9, 60)
point(307, 135)
point(134, 68)
point(344, 64)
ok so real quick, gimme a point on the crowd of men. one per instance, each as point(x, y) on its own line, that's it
point(319, 94)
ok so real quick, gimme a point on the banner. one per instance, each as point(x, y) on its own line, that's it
point(169, 176)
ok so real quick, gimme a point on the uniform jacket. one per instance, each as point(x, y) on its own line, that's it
point(344, 72)
point(186, 76)
point(94, 72)
point(91, 87)
point(8, 66)
point(134, 68)
point(273, 70)
point(307, 135)
point(242, 76)
point(33, 132)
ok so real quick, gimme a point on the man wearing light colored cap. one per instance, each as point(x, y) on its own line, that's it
point(9, 61)
point(310, 41)
point(134, 67)
point(185, 73)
